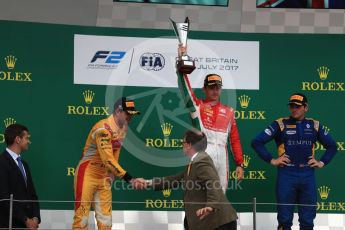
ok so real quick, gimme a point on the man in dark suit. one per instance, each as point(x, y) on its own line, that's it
point(206, 206)
point(15, 178)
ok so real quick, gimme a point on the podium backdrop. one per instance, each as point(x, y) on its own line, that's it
point(37, 89)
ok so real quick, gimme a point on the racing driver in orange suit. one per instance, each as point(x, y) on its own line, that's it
point(98, 166)
point(216, 120)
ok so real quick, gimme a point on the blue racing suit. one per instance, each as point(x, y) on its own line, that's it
point(296, 181)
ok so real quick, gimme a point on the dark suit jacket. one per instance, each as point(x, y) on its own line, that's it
point(201, 188)
point(12, 182)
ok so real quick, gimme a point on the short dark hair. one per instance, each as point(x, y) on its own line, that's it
point(197, 139)
point(13, 131)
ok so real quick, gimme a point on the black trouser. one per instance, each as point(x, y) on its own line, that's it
point(229, 226)
point(185, 224)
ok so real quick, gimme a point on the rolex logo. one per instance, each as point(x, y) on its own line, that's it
point(166, 141)
point(326, 129)
point(323, 85)
point(166, 192)
point(244, 101)
point(10, 61)
point(323, 72)
point(88, 96)
point(14, 75)
point(166, 128)
point(324, 192)
point(9, 121)
point(244, 114)
point(246, 160)
point(88, 109)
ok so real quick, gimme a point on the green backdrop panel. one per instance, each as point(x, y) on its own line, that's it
point(38, 91)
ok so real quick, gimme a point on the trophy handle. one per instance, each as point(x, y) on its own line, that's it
point(182, 50)
point(184, 63)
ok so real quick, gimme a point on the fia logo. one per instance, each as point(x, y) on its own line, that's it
point(152, 61)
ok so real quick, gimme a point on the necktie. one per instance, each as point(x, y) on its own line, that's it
point(318, 4)
point(21, 167)
point(189, 166)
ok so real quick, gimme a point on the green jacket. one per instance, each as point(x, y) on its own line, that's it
point(201, 189)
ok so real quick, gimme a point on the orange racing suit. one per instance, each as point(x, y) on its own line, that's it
point(95, 171)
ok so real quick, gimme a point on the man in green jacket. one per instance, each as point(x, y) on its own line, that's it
point(206, 206)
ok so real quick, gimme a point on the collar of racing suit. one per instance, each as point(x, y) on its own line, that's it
point(210, 102)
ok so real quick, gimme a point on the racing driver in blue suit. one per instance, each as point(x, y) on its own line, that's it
point(295, 137)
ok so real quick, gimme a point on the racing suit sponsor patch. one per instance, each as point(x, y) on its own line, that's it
point(300, 142)
point(268, 132)
point(291, 132)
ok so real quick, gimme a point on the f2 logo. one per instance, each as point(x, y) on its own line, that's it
point(113, 57)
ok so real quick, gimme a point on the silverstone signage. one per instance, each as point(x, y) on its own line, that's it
point(136, 61)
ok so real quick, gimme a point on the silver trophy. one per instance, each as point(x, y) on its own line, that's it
point(184, 63)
